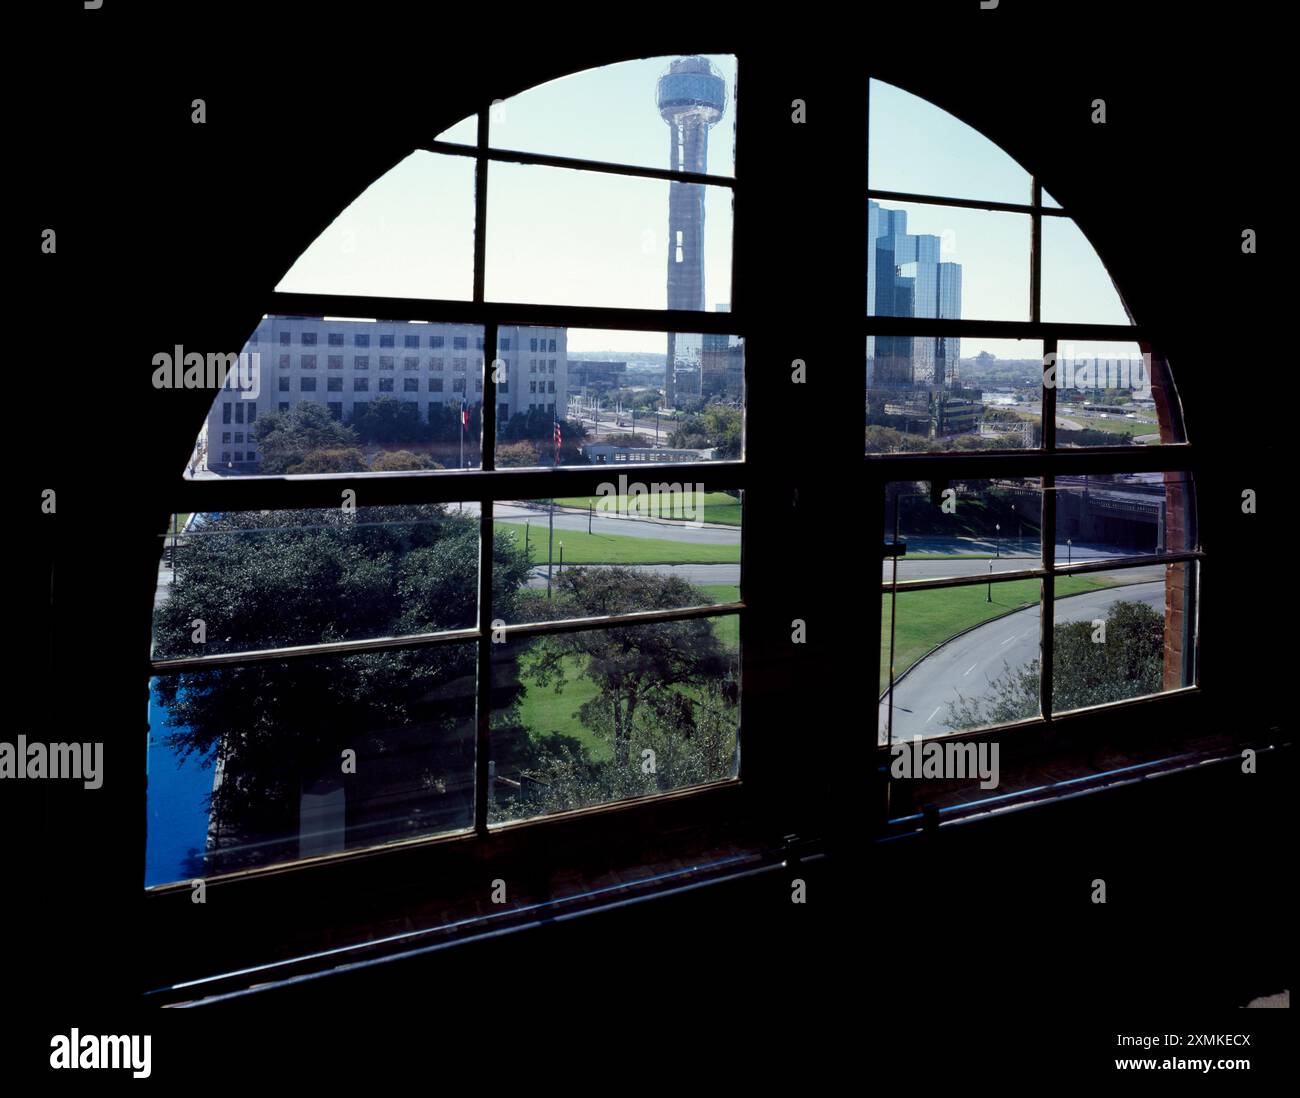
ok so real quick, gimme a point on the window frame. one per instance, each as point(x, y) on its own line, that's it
point(487, 484)
point(1047, 462)
point(776, 794)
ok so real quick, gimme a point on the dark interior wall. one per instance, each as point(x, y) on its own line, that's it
point(170, 233)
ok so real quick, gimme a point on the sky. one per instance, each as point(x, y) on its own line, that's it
point(557, 236)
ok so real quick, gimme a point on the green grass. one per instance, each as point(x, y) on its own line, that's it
point(545, 713)
point(583, 548)
point(718, 506)
point(928, 618)
point(1114, 426)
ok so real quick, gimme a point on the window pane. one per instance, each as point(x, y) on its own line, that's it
point(1076, 287)
point(616, 402)
point(1128, 637)
point(248, 580)
point(604, 715)
point(1050, 202)
point(951, 393)
point(409, 234)
point(633, 112)
point(271, 762)
point(1113, 394)
point(1123, 515)
point(635, 546)
point(916, 147)
point(464, 132)
point(941, 261)
point(563, 237)
point(369, 425)
point(964, 528)
point(964, 657)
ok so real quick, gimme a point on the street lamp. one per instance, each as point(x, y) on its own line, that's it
point(997, 540)
point(989, 597)
point(1069, 551)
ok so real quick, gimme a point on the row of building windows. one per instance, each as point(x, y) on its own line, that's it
point(388, 362)
point(362, 362)
point(386, 385)
point(360, 339)
point(360, 408)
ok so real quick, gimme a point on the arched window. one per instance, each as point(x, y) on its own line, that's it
point(459, 547)
point(1060, 574)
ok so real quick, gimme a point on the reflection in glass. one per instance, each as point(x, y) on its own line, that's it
point(272, 762)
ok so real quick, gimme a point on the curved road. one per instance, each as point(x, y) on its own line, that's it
point(967, 665)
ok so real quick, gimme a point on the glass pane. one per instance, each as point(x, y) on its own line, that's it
point(988, 398)
point(918, 148)
point(615, 400)
point(945, 262)
point(248, 580)
point(964, 528)
point(563, 237)
point(336, 395)
point(636, 545)
point(409, 234)
point(1128, 637)
point(604, 715)
point(1076, 287)
point(464, 132)
point(661, 112)
point(964, 657)
point(1113, 394)
point(1123, 515)
point(272, 762)
point(1050, 202)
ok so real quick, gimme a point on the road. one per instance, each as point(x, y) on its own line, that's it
point(1012, 557)
point(968, 664)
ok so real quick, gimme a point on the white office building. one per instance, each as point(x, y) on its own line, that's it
point(346, 364)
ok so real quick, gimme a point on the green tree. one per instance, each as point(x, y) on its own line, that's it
point(634, 666)
point(349, 460)
point(285, 578)
point(391, 461)
point(1128, 664)
point(286, 438)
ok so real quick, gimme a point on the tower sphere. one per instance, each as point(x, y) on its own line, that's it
point(692, 88)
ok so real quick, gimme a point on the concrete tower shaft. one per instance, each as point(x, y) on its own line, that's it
point(692, 96)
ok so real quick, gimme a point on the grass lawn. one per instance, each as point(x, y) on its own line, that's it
point(546, 713)
point(583, 548)
point(927, 618)
point(1115, 426)
point(718, 506)
point(178, 522)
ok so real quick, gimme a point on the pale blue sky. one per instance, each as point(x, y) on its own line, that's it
point(557, 236)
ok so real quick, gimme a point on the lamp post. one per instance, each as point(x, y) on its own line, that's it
point(1069, 551)
point(997, 540)
point(989, 596)
point(561, 558)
